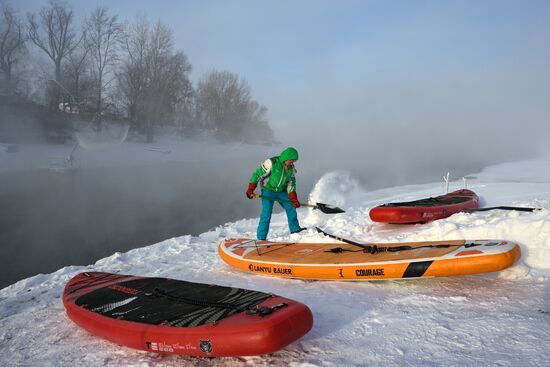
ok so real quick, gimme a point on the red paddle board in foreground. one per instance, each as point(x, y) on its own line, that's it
point(177, 317)
point(425, 210)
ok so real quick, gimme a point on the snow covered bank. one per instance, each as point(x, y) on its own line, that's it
point(488, 319)
point(531, 230)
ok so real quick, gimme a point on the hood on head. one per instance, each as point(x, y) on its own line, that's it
point(289, 154)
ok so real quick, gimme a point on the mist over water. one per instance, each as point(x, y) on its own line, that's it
point(54, 219)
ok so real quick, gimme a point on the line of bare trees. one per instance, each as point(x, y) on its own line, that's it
point(129, 71)
point(13, 46)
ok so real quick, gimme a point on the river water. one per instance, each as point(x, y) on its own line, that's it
point(53, 219)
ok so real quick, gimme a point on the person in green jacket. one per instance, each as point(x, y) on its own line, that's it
point(278, 182)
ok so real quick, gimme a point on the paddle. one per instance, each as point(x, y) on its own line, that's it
point(518, 208)
point(374, 249)
point(325, 208)
point(365, 248)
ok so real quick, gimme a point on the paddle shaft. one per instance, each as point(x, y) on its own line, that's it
point(341, 239)
point(374, 249)
point(518, 208)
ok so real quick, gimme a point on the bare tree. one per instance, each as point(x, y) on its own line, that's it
point(257, 127)
point(168, 82)
point(12, 46)
point(75, 75)
point(132, 77)
point(186, 118)
point(52, 32)
point(154, 78)
point(227, 109)
point(220, 94)
point(101, 38)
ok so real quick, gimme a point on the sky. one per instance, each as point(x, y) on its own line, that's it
point(408, 79)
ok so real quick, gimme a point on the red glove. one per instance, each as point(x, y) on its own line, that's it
point(251, 188)
point(294, 198)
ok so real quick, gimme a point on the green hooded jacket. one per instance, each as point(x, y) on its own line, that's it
point(272, 173)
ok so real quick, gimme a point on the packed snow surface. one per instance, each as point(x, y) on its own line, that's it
point(487, 319)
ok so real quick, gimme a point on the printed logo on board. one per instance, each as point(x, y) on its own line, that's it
point(169, 348)
point(159, 347)
point(124, 289)
point(206, 346)
point(369, 272)
point(269, 269)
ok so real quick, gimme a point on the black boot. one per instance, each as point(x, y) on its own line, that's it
point(300, 230)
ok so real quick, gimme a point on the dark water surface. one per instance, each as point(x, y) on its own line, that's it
point(49, 220)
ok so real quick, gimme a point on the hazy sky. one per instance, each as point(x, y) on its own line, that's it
point(432, 73)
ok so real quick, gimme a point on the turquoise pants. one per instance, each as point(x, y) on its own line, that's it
point(267, 209)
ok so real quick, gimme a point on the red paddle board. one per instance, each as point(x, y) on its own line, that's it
point(425, 210)
point(177, 317)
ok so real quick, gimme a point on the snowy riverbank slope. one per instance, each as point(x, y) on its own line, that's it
point(489, 319)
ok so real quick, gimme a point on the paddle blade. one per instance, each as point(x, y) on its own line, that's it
point(328, 209)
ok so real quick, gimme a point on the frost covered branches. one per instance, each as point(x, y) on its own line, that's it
point(154, 77)
point(128, 71)
point(12, 47)
point(52, 32)
point(227, 109)
point(156, 91)
point(101, 36)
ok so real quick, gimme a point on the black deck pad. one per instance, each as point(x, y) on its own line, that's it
point(439, 200)
point(167, 301)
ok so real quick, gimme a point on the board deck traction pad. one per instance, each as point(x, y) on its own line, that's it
point(251, 255)
point(162, 301)
point(456, 197)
